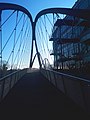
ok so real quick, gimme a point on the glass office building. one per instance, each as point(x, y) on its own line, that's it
point(71, 40)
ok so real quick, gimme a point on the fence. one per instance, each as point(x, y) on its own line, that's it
point(78, 89)
point(7, 82)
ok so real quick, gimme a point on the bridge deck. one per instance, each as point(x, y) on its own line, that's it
point(34, 97)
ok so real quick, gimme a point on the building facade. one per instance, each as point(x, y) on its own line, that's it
point(71, 40)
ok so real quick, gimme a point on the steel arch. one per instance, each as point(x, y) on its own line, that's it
point(10, 6)
point(80, 13)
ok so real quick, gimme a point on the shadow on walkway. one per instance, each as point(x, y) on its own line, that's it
point(33, 97)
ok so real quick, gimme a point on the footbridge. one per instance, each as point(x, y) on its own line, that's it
point(60, 87)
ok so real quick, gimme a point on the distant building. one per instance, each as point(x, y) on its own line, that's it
point(71, 40)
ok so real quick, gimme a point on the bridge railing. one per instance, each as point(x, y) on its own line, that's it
point(76, 88)
point(7, 82)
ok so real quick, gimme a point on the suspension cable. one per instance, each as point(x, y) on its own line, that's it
point(43, 36)
point(46, 35)
point(11, 34)
point(39, 35)
point(14, 40)
point(21, 40)
point(8, 18)
point(22, 44)
point(49, 20)
point(9, 39)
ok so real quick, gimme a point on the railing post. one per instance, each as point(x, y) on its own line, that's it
point(3, 84)
point(55, 79)
point(34, 40)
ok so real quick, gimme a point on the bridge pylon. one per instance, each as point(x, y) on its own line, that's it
point(34, 42)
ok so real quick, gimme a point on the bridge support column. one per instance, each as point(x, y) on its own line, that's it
point(37, 52)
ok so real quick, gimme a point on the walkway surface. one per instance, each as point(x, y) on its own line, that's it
point(34, 98)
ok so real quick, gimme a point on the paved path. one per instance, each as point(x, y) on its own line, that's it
point(34, 98)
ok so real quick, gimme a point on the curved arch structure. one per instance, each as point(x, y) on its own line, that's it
point(80, 13)
point(40, 57)
point(9, 6)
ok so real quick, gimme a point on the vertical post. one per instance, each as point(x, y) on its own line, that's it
point(34, 40)
point(74, 45)
point(0, 44)
point(57, 55)
point(62, 56)
point(31, 54)
point(79, 55)
point(31, 63)
point(38, 55)
point(61, 50)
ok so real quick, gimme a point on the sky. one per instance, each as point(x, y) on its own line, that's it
point(35, 6)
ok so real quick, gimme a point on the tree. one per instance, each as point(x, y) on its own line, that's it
point(4, 65)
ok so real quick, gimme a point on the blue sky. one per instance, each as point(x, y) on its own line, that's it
point(34, 6)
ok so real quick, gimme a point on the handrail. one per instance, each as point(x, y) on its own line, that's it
point(1, 79)
point(76, 88)
point(13, 78)
point(70, 76)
